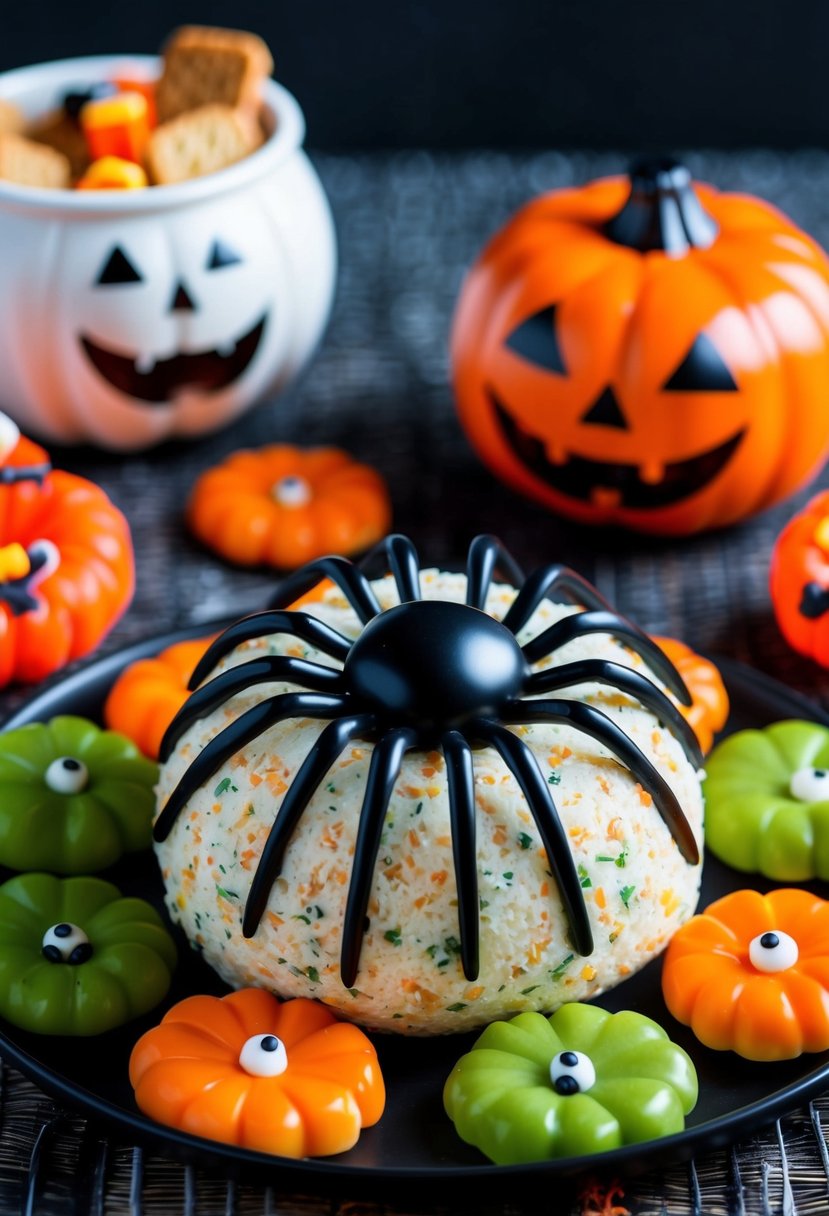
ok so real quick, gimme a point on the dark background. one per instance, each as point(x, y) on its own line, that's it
point(649, 74)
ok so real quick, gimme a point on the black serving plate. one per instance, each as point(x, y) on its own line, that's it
point(414, 1145)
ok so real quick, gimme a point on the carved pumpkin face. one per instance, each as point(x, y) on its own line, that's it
point(175, 318)
point(647, 362)
point(799, 580)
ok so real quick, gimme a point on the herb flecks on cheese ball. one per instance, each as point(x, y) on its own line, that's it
point(637, 887)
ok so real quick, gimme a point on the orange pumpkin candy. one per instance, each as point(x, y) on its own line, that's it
point(148, 694)
point(282, 506)
point(646, 352)
point(799, 580)
point(205, 1070)
point(751, 974)
point(67, 608)
point(708, 711)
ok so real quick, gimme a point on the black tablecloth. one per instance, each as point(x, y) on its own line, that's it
point(408, 226)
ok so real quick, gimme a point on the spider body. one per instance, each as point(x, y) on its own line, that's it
point(434, 666)
point(430, 674)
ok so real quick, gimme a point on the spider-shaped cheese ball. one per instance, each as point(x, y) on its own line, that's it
point(434, 869)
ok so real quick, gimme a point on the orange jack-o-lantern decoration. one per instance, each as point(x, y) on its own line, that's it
point(647, 352)
point(799, 580)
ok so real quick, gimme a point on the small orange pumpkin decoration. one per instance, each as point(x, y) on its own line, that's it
point(246, 1069)
point(67, 570)
point(148, 694)
point(708, 711)
point(283, 506)
point(799, 580)
point(647, 352)
point(751, 974)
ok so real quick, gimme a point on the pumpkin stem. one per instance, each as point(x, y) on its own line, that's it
point(662, 211)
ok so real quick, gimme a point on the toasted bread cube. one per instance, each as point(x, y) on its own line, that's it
point(11, 119)
point(57, 130)
point(31, 164)
point(199, 142)
point(204, 66)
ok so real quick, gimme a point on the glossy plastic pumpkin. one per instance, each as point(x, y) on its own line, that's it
point(248, 1070)
point(131, 317)
point(708, 711)
point(582, 1081)
point(647, 352)
point(76, 958)
point(283, 506)
point(767, 801)
point(73, 798)
point(148, 694)
point(799, 580)
point(751, 974)
point(79, 577)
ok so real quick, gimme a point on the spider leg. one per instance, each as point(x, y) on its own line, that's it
point(460, 779)
point(238, 734)
point(553, 579)
point(602, 728)
point(259, 625)
point(382, 774)
point(582, 623)
point(348, 577)
point(486, 553)
point(626, 680)
point(268, 669)
point(405, 566)
point(310, 774)
point(520, 760)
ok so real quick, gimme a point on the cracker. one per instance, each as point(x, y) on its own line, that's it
point(199, 142)
point(31, 164)
point(203, 65)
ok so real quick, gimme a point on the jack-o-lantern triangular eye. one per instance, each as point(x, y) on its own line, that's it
point(117, 269)
point(535, 340)
point(701, 371)
point(221, 255)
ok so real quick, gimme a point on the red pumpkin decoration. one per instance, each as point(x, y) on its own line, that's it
point(647, 352)
point(66, 566)
point(799, 580)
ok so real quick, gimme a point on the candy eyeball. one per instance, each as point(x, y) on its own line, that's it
point(264, 1055)
point(292, 492)
point(66, 943)
point(773, 951)
point(66, 775)
point(810, 785)
point(572, 1072)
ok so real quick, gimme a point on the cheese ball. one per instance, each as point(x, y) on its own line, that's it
point(638, 888)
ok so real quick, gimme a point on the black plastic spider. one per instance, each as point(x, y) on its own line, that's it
point(427, 674)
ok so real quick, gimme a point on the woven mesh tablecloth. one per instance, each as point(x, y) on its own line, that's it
point(408, 225)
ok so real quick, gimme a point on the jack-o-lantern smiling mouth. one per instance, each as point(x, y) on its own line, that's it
point(205, 371)
point(606, 483)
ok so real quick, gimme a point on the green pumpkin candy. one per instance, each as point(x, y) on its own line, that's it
point(73, 798)
point(582, 1081)
point(767, 801)
point(76, 958)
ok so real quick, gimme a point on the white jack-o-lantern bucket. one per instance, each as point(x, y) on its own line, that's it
point(129, 317)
